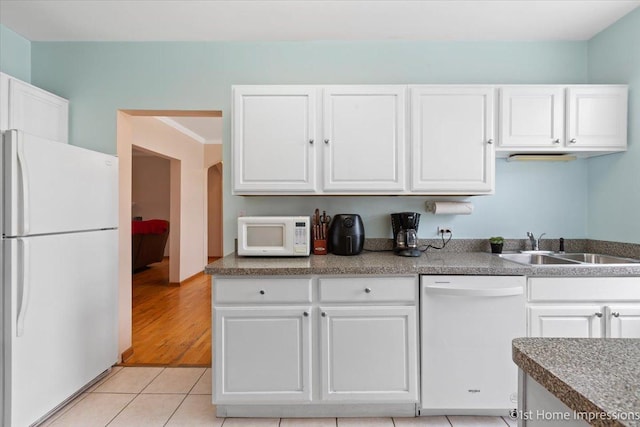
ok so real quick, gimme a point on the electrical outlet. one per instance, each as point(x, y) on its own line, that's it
point(443, 230)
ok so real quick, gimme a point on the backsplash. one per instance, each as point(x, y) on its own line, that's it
point(628, 250)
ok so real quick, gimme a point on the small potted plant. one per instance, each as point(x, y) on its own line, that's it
point(496, 244)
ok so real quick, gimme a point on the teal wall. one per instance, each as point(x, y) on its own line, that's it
point(100, 78)
point(15, 54)
point(614, 180)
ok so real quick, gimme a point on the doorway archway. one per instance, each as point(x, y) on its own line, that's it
point(191, 221)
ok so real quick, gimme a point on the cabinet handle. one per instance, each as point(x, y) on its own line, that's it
point(326, 141)
point(598, 314)
point(311, 141)
point(305, 314)
point(556, 141)
point(367, 290)
point(615, 314)
point(261, 291)
point(323, 314)
point(490, 141)
point(573, 141)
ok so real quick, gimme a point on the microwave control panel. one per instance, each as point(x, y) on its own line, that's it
point(300, 237)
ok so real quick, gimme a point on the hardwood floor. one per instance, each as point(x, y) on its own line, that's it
point(171, 325)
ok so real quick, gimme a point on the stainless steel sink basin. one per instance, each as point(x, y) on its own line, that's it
point(537, 259)
point(597, 258)
point(576, 259)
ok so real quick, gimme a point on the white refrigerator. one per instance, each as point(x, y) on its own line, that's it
point(59, 273)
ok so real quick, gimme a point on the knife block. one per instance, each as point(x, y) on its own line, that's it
point(319, 247)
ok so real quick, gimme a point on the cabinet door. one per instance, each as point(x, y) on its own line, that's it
point(624, 321)
point(38, 112)
point(274, 139)
point(369, 354)
point(363, 138)
point(4, 102)
point(532, 117)
point(582, 321)
point(452, 140)
point(262, 354)
point(597, 117)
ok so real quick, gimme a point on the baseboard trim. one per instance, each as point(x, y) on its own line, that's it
point(178, 284)
point(126, 354)
point(317, 410)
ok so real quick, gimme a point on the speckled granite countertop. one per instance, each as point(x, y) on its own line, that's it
point(478, 263)
point(592, 375)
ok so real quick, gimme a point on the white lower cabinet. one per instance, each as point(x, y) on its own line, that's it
point(624, 321)
point(263, 354)
point(369, 353)
point(323, 340)
point(575, 321)
point(584, 307)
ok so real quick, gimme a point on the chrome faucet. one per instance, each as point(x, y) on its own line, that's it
point(535, 244)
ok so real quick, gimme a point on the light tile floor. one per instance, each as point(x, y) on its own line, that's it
point(173, 397)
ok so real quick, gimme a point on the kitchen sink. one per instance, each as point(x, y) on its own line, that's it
point(538, 259)
point(573, 259)
point(597, 258)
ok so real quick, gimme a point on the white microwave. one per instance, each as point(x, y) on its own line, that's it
point(274, 236)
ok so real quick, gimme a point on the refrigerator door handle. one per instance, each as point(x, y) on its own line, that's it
point(24, 180)
point(25, 284)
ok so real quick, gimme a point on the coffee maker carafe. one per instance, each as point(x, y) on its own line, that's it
point(405, 233)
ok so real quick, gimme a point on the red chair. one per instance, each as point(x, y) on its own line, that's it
point(148, 241)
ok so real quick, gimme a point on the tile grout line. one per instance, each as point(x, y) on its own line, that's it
point(175, 410)
point(449, 421)
point(121, 410)
point(53, 418)
point(152, 380)
point(137, 394)
point(110, 376)
point(197, 381)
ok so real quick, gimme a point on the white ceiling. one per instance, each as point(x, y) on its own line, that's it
point(271, 20)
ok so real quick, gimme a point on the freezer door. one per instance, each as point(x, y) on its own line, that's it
point(53, 188)
point(60, 329)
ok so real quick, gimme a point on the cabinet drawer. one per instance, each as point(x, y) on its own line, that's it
point(369, 289)
point(252, 290)
point(584, 289)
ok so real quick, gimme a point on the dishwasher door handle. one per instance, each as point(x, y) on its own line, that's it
point(474, 292)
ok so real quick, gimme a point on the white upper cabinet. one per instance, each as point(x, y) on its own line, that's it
point(452, 139)
point(597, 117)
point(532, 116)
point(443, 140)
point(33, 110)
point(274, 139)
point(363, 138)
point(583, 119)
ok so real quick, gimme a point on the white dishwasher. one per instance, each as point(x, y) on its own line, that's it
point(467, 324)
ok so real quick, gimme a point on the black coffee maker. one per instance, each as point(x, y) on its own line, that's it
point(405, 233)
